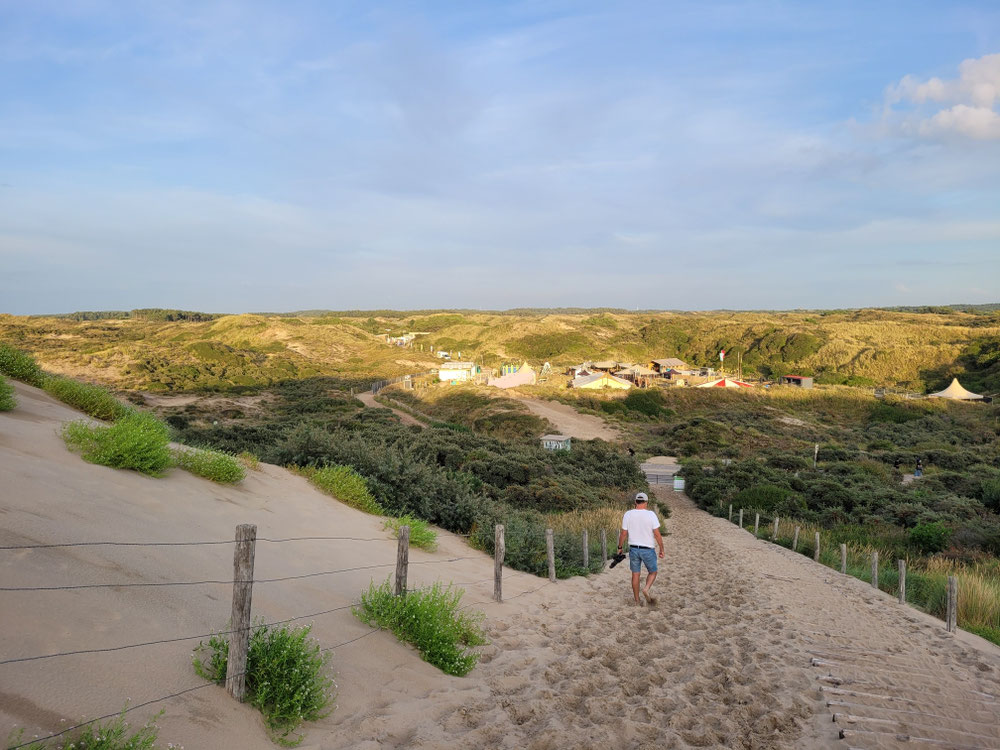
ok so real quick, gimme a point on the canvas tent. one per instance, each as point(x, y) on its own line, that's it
point(525, 375)
point(955, 391)
point(600, 380)
point(725, 383)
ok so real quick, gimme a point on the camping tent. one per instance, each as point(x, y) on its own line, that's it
point(955, 391)
point(600, 380)
point(725, 383)
point(525, 375)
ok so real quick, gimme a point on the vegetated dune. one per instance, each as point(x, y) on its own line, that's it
point(724, 660)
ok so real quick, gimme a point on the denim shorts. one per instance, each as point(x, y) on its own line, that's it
point(639, 557)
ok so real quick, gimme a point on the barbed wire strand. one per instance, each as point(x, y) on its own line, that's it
point(194, 544)
point(154, 584)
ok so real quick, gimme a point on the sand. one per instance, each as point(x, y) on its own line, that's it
point(567, 420)
point(368, 399)
point(724, 660)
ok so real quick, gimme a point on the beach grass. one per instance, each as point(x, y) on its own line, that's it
point(7, 400)
point(137, 441)
point(92, 400)
point(346, 485)
point(421, 533)
point(208, 463)
point(113, 734)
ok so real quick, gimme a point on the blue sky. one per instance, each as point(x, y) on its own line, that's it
point(237, 156)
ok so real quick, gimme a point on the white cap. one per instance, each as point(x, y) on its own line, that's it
point(641, 497)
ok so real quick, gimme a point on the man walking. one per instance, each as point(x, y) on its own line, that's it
point(642, 528)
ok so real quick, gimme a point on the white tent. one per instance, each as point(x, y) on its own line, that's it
point(955, 391)
point(525, 375)
point(725, 383)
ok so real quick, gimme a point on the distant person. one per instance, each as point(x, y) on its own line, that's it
point(642, 529)
point(919, 470)
point(896, 464)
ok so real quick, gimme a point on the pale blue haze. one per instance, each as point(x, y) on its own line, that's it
point(236, 156)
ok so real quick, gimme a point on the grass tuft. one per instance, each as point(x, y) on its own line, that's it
point(94, 400)
point(20, 366)
point(218, 466)
point(286, 676)
point(345, 484)
point(421, 533)
point(137, 441)
point(249, 460)
point(114, 734)
point(7, 400)
point(431, 620)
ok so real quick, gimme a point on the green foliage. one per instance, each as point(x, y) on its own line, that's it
point(286, 675)
point(7, 400)
point(548, 346)
point(113, 734)
point(94, 400)
point(991, 494)
point(892, 413)
point(218, 466)
point(137, 441)
point(601, 321)
point(345, 484)
point(159, 314)
point(431, 620)
point(648, 402)
point(421, 534)
point(930, 537)
point(764, 497)
point(20, 365)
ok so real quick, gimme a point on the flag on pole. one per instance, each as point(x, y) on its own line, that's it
point(722, 355)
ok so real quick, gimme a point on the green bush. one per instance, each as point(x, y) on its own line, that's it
point(345, 484)
point(930, 537)
point(421, 534)
point(113, 734)
point(766, 497)
point(90, 399)
point(286, 675)
point(431, 620)
point(218, 466)
point(136, 441)
point(7, 400)
point(21, 366)
point(991, 494)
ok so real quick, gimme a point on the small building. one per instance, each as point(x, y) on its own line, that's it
point(600, 380)
point(442, 354)
point(802, 381)
point(556, 442)
point(457, 372)
point(606, 365)
point(670, 363)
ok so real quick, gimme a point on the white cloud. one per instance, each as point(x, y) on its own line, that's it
point(973, 98)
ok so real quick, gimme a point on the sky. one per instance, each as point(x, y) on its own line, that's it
point(277, 156)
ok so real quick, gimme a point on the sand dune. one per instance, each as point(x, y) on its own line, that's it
point(724, 660)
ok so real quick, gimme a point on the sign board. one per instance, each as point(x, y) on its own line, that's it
point(678, 484)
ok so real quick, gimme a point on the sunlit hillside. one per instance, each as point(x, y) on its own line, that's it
point(150, 352)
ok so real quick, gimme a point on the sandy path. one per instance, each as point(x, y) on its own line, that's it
point(368, 399)
point(568, 421)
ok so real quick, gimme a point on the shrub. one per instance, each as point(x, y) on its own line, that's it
point(421, 534)
point(286, 675)
point(345, 484)
point(766, 497)
point(218, 466)
point(21, 366)
point(7, 401)
point(136, 441)
point(249, 460)
point(90, 399)
point(113, 734)
point(991, 494)
point(930, 537)
point(431, 620)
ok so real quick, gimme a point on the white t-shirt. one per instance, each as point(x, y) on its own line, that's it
point(640, 524)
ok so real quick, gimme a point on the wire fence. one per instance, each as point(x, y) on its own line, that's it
point(242, 581)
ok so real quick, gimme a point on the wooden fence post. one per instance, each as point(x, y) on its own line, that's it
point(775, 534)
point(730, 512)
point(604, 549)
point(550, 549)
point(402, 560)
point(952, 622)
point(756, 523)
point(498, 554)
point(239, 639)
point(741, 518)
point(795, 540)
point(843, 558)
point(875, 569)
point(816, 551)
point(902, 581)
point(586, 550)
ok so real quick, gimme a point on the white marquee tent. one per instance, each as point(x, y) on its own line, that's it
point(955, 391)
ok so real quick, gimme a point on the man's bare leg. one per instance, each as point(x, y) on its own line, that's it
point(645, 591)
point(635, 586)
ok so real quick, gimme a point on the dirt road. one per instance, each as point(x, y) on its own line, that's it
point(568, 421)
point(368, 400)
